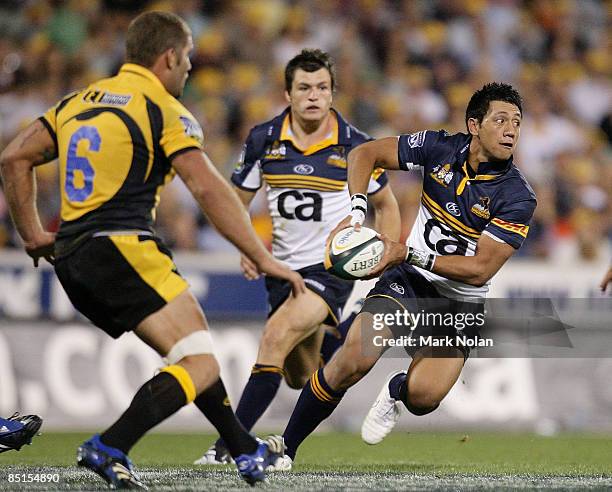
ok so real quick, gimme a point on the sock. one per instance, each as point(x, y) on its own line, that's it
point(317, 402)
point(398, 388)
point(258, 393)
point(215, 405)
point(155, 401)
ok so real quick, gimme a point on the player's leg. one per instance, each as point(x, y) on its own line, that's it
point(325, 389)
point(17, 431)
point(295, 320)
point(304, 359)
point(430, 376)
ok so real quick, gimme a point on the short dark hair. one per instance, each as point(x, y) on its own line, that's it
point(495, 91)
point(310, 60)
point(152, 33)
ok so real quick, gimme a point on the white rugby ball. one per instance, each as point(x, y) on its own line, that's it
point(352, 255)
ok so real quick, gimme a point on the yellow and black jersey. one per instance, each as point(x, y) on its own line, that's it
point(115, 143)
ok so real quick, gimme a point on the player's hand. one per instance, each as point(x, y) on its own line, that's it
point(249, 269)
point(394, 254)
point(343, 224)
point(606, 280)
point(275, 268)
point(43, 246)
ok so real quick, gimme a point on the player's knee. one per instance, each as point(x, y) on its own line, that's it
point(273, 337)
point(421, 400)
point(296, 381)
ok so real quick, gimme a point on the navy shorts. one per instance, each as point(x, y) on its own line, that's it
point(333, 290)
point(403, 289)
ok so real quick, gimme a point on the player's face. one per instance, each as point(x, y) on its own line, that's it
point(311, 94)
point(500, 129)
point(181, 68)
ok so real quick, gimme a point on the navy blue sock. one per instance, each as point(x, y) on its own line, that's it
point(398, 388)
point(317, 402)
point(258, 393)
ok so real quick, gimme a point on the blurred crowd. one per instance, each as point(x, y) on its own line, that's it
point(403, 65)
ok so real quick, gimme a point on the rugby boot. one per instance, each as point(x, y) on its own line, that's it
point(17, 431)
point(110, 463)
point(383, 415)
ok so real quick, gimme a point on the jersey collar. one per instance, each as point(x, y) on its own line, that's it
point(330, 139)
point(143, 72)
point(487, 171)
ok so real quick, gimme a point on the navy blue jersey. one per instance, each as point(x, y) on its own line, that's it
point(458, 204)
point(306, 189)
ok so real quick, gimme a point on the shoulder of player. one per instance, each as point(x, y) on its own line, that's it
point(267, 131)
point(514, 185)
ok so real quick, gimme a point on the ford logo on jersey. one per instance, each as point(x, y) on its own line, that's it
point(453, 209)
point(303, 169)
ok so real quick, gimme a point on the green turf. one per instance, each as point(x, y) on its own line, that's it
point(426, 460)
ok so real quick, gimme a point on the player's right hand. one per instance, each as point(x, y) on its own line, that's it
point(275, 268)
point(43, 246)
point(249, 269)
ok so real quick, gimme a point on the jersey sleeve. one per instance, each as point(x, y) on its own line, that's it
point(378, 181)
point(180, 132)
point(413, 149)
point(512, 225)
point(247, 173)
point(49, 118)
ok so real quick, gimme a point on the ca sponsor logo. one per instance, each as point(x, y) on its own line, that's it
point(303, 169)
point(397, 288)
point(453, 209)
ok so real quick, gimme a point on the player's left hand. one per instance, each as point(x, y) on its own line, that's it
point(343, 224)
point(43, 246)
point(394, 254)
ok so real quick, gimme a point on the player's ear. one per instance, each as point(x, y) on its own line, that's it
point(170, 58)
point(287, 97)
point(473, 126)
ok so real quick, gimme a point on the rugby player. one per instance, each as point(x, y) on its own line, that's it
point(118, 142)
point(300, 156)
point(475, 212)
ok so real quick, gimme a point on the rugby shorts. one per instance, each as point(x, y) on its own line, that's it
point(118, 280)
point(403, 288)
point(333, 290)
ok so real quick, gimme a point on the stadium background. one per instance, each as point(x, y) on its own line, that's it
point(402, 66)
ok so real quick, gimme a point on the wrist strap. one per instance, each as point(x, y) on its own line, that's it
point(420, 258)
point(359, 208)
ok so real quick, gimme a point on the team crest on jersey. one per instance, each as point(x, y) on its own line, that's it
point(337, 158)
point(276, 151)
point(481, 209)
point(192, 129)
point(442, 174)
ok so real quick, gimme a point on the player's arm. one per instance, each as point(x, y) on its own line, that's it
point(226, 212)
point(386, 213)
point(249, 269)
point(30, 148)
point(474, 270)
point(361, 162)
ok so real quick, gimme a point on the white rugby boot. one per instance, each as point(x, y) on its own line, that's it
point(215, 455)
point(383, 415)
point(283, 462)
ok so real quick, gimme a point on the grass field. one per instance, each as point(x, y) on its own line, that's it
point(414, 461)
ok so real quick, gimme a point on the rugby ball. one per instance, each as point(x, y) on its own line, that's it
point(352, 255)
